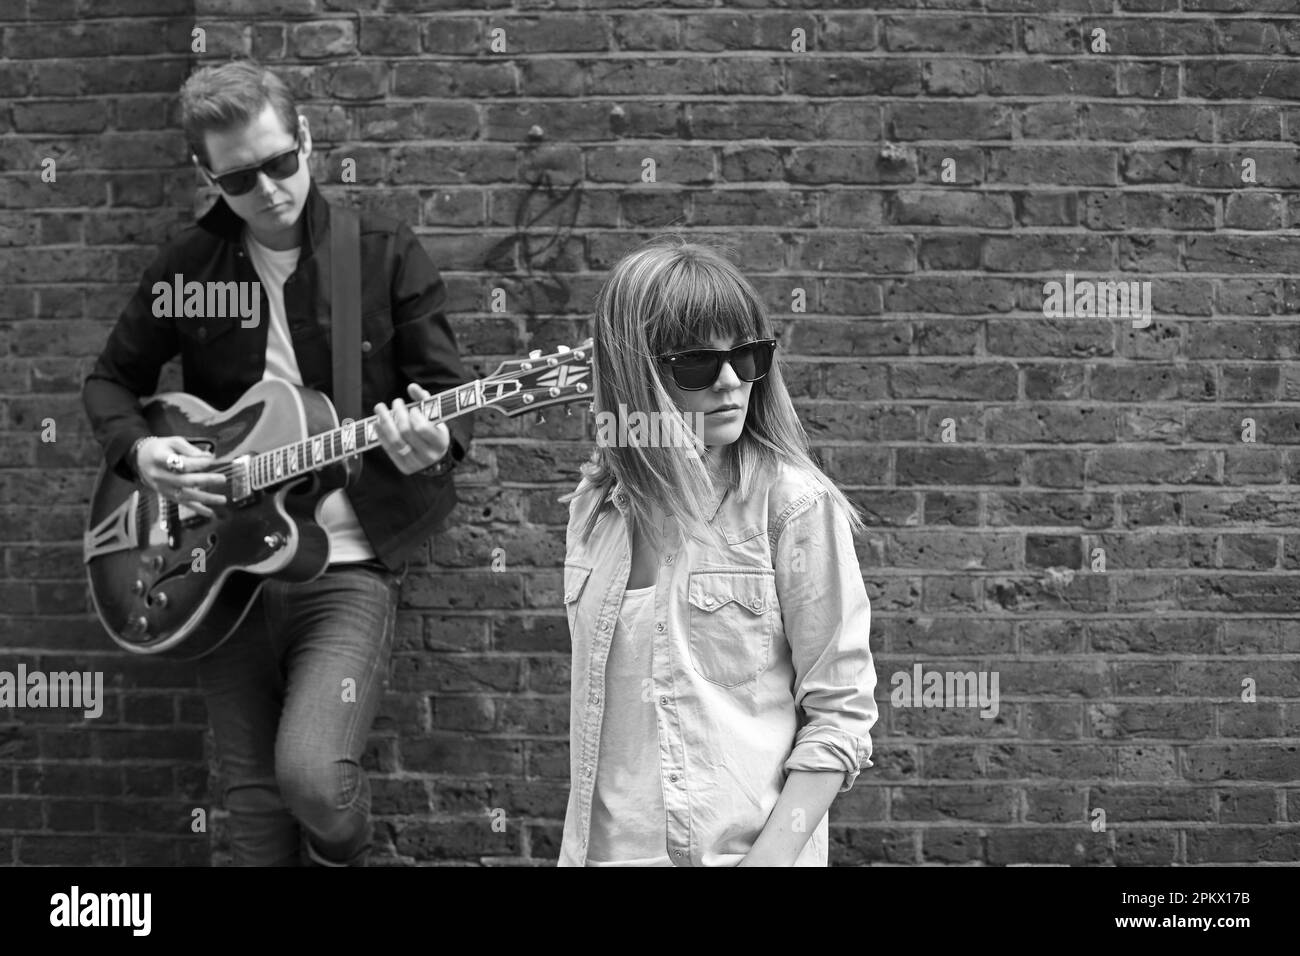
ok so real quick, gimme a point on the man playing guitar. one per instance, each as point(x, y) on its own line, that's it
point(292, 693)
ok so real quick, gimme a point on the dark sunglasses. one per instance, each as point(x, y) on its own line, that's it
point(696, 369)
point(239, 181)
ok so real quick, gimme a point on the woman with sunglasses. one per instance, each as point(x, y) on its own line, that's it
point(722, 681)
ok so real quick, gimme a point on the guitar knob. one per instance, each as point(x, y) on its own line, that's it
point(274, 541)
point(139, 626)
point(155, 563)
point(138, 587)
point(160, 600)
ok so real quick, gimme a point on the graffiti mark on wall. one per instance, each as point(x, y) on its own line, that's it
point(530, 260)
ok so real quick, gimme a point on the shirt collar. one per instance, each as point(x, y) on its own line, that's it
point(617, 494)
point(220, 220)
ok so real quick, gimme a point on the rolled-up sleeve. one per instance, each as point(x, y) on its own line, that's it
point(827, 619)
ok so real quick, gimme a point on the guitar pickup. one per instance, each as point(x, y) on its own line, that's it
point(239, 484)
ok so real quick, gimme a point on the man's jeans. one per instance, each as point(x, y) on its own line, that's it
point(291, 697)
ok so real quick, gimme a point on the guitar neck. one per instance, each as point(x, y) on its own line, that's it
point(356, 437)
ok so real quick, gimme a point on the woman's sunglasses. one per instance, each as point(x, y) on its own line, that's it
point(697, 369)
point(239, 181)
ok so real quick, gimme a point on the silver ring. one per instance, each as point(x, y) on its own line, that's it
point(404, 450)
point(175, 463)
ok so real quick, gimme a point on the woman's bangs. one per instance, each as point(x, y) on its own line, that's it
point(698, 310)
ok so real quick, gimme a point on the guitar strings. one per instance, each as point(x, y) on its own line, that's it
point(227, 469)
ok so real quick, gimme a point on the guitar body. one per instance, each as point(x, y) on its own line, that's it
point(169, 582)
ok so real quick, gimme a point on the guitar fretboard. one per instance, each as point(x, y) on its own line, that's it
point(355, 437)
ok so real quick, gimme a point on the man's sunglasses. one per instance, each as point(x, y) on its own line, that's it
point(239, 181)
point(697, 369)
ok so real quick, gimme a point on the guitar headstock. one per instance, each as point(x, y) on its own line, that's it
point(536, 382)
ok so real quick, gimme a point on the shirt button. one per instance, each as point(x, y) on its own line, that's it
point(203, 334)
point(678, 853)
point(595, 698)
point(621, 498)
point(664, 701)
point(672, 777)
point(365, 346)
point(758, 605)
point(605, 626)
point(659, 626)
point(587, 771)
point(708, 602)
point(668, 560)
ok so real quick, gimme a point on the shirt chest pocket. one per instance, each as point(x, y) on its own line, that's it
point(733, 615)
point(575, 579)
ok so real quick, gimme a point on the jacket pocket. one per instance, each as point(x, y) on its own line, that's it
point(575, 579)
point(376, 332)
point(380, 373)
point(733, 616)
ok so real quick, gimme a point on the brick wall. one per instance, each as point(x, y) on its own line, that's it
point(1069, 502)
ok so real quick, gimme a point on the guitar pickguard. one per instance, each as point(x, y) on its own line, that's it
point(119, 531)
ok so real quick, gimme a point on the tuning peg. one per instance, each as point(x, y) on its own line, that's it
point(535, 353)
point(561, 348)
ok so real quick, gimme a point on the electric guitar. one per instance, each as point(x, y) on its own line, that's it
point(169, 582)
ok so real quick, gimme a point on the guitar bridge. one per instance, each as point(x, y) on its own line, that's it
point(240, 485)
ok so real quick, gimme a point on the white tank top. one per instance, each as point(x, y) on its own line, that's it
point(628, 820)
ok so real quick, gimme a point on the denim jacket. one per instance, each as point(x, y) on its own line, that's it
point(761, 662)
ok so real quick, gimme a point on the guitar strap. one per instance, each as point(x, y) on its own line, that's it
point(345, 308)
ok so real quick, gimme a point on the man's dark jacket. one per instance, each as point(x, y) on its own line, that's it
point(405, 338)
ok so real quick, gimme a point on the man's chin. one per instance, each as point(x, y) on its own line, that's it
point(284, 214)
point(276, 219)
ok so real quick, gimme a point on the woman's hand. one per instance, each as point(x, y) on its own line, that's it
point(804, 800)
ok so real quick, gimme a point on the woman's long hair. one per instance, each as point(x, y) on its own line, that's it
point(665, 296)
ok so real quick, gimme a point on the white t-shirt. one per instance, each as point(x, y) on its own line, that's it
point(348, 541)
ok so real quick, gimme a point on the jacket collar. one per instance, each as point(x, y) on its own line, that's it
point(223, 222)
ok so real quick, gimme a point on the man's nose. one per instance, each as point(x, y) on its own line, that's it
point(265, 187)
